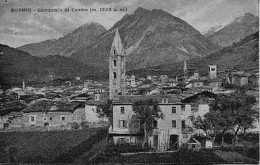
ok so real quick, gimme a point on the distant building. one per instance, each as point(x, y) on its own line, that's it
point(132, 83)
point(149, 77)
point(212, 71)
point(240, 78)
point(163, 78)
point(87, 83)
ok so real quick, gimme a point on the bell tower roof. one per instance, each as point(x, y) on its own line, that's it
point(117, 44)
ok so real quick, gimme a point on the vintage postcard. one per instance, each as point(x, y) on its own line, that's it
point(129, 81)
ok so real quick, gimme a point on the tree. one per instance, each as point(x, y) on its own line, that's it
point(212, 123)
point(106, 110)
point(147, 81)
point(202, 123)
point(236, 111)
point(147, 111)
point(4, 85)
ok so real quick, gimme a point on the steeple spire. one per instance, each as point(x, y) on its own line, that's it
point(117, 44)
point(23, 85)
point(185, 66)
point(185, 69)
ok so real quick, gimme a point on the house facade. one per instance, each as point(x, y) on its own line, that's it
point(48, 113)
point(175, 129)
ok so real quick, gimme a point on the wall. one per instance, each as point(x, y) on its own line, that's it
point(56, 119)
point(92, 115)
point(117, 116)
point(79, 115)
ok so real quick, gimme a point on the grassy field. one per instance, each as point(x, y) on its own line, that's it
point(48, 147)
point(179, 157)
point(232, 157)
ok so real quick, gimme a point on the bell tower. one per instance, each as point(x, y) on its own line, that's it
point(116, 67)
point(212, 71)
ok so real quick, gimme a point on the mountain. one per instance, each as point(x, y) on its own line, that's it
point(235, 31)
point(16, 65)
point(150, 37)
point(67, 45)
point(241, 56)
point(212, 30)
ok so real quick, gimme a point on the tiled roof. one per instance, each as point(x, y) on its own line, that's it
point(205, 93)
point(129, 99)
point(215, 80)
point(103, 98)
point(51, 106)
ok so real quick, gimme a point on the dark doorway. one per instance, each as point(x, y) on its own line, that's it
point(174, 141)
point(46, 124)
point(155, 141)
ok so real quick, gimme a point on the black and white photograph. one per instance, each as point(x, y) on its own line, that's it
point(129, 82)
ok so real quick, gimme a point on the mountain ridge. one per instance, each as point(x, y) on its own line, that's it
point(149, 37)
point(68, 44)
point(238, 29)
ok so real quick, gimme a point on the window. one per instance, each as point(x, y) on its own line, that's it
point(114, 62)
point(155, 124)
point(32, 119)
point(122, 124)
point(50, 118)
point(212, 69)
point(122, 140)
point(44, 119)
point(114, 51)
point(114, 74)
point(63, 118)
point(173, 109)
point(173, 123)
point(183, 107)
point(122, 109)
point(183, 124)
point(185, 136)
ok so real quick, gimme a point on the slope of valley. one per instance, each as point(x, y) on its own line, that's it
point(241, 56)
point(16, 66)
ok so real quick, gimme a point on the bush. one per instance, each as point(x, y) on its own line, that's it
point(84, 124)
point(253, 152)
point(74, 125)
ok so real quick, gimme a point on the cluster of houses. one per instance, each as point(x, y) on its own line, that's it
point(180, 100)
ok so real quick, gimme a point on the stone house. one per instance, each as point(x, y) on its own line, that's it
point(49, 113)
point(240, 78)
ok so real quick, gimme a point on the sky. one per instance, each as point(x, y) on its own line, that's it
point(18, 28)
